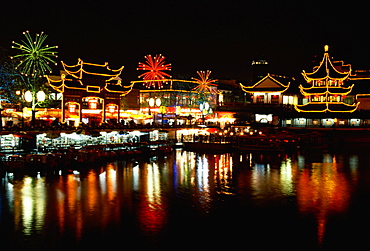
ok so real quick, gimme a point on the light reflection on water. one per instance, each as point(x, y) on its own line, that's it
point(149, 199)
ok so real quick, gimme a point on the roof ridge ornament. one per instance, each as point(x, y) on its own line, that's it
point(326, 48)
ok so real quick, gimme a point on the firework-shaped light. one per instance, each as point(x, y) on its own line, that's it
point(34, 56)
point(205, 83)
point(154, 68)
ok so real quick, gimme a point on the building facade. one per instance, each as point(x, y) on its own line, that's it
point(91, 93)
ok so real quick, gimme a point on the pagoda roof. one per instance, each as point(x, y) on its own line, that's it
point(118, 88)
point(113, 85)
point(327, 70)
point(93, 70)
point(325, 89)
point(326, 107)
point(270, 83)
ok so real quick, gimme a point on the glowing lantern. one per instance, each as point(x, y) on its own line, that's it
point(28, 96)
point(40, 96)
point(151, 102)
point(158, 102)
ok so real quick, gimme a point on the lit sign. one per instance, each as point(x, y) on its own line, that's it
point(72, 108)
point(111, 108)
point(93, 104)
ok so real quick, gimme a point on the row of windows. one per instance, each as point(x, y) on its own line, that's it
point(326, 99)
point(328, 82)
point(273, 100)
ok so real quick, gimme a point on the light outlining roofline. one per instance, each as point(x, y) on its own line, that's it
point(122, 93)
point(80, 70)
point(246, 88)
point(159, 80)
point(302, 90)
point(327, 107)
point(326, 59)
point(168, 90)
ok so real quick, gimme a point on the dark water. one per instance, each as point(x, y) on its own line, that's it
point(305, 201)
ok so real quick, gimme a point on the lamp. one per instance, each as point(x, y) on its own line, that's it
point(29, 97)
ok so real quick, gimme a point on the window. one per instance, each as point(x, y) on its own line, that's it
point(260, 99)
point(275, 99)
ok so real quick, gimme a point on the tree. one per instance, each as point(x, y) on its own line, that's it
point(8, 78)
point(33, 63)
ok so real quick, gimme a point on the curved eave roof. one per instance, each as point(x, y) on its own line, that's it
point(326, 70)
point(55, 82)
point(266, 90)
point(323, 90)
point(82, 67)
point(117, 88)
point(73, 84)
point(257, 87)
point(65, 83)
point(326, 107)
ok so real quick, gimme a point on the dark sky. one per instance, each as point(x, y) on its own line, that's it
point(217, 35)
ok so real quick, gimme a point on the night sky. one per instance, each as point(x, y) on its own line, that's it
point(217, 35)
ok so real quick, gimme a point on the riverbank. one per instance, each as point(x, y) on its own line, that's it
point(335, 136)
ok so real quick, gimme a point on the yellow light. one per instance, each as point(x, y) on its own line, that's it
point(253, 88)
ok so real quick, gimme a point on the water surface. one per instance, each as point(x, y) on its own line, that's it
point(301, 201)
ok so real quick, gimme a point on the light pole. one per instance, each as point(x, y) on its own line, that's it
point(34, 100)
point(156, 102)
point(204, 108)
point(19, 93)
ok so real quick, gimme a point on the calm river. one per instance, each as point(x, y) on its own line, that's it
point(300, 201)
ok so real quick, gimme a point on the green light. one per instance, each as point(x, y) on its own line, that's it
point(34, 56)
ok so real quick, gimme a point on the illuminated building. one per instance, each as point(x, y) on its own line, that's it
point(177, 100)
point(332, 95)
point(270, 97)
point(329, 86)
point(93, 88)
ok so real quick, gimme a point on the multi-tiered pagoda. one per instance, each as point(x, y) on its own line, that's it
point(93, 87)
point(329, 85)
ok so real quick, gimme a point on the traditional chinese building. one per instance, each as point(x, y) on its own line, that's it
point(331, 94)
point(329, 85)
point(270, 97)
point(90, 92)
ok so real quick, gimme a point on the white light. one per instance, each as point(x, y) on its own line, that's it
point(40, 96)
point(206, 106)
point(28, 96)
point(151, 102)
point(158, 102)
